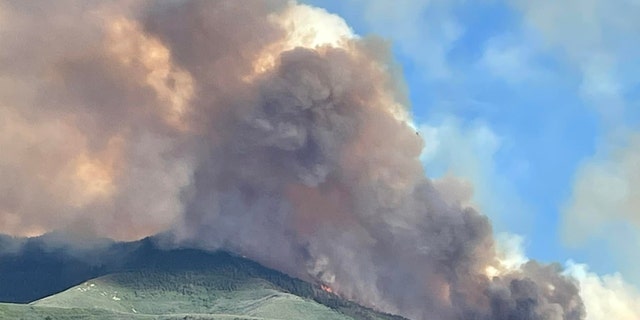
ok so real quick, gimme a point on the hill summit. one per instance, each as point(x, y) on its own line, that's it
point(139, 280)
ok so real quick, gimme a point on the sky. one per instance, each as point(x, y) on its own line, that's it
point(536, 106)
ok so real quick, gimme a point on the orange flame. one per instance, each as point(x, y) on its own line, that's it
point(326, 288)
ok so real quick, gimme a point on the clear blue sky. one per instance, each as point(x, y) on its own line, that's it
point(536, 104)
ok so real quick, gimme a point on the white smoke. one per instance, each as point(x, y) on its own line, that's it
point(605, 297)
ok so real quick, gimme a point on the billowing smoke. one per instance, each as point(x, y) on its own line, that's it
point(262, 127)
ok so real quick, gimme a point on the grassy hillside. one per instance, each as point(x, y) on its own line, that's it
point(140, 281)
point(179, 295)
point(195, 294)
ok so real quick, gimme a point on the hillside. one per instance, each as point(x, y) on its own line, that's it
point(174, 295)
point(138, 280)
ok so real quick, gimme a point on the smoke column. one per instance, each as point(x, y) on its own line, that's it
point(262, 127)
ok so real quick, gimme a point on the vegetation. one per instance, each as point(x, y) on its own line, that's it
point(140, 281)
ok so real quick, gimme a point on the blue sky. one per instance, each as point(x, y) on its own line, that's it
point(536, 105)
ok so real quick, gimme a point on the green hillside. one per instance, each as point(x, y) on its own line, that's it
point(149, 283)
point(173, 295)
point(139, 280)
point(195, 293)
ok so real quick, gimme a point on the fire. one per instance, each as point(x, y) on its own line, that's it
point(326, 288)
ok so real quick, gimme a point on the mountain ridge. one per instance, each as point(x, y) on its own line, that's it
point(37, 271)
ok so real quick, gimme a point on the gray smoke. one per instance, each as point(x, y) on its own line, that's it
point(236, 125)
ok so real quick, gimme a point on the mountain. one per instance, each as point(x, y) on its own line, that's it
point(197, 294)
point(139, 280)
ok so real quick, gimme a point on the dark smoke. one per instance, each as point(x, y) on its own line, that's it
point(208, 119)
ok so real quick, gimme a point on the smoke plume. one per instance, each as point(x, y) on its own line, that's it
point(262, 127)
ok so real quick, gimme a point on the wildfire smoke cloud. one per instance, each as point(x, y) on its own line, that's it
point(262, 127)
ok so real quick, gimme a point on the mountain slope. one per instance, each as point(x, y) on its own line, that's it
point(139, 280)
point(196, 294)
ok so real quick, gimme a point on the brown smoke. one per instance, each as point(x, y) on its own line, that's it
point(261, 127)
